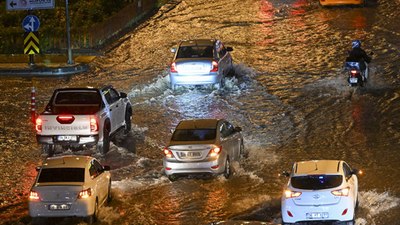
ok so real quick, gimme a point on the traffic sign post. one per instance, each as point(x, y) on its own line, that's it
point(29, 4)
point(31, 23)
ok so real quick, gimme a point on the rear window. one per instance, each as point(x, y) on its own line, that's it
point(62, 175)
point(316, 182)
point(194, 135)
point(77, 98)
point(195, 52)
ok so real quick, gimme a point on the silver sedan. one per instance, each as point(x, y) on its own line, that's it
point(203, 146)
point(200, 62)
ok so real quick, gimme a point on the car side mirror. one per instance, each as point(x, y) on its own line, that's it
point(173, 50)
point(106, 168)
point(123, 95)
point(285, 174)
point(238, 129)
point(229, 49)
point(38, 168)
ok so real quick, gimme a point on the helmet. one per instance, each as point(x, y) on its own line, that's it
point(356, 44)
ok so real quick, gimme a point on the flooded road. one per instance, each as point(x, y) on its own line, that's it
point(289, 94)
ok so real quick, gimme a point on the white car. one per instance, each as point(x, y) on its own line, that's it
point(320, 190)
point(70, 186)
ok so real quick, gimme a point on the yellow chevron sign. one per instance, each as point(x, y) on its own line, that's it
point(31, 43)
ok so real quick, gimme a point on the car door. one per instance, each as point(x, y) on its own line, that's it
point(351, 180)
point(100, 179)
point(116, 108)
point(227, 139)
point(224, 60)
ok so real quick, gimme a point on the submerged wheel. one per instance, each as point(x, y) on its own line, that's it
point(48, 149)
point(227, 171)
point(93, 218)
point(172, 177)
point(128, 121)
point(104, 146)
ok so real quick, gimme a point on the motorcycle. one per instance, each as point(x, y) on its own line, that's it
point(356, 77)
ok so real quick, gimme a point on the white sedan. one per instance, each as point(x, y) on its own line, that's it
point(70, 186)
point(320, 190)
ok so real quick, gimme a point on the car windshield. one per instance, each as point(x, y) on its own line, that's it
point(62, 175)
point(316, 182)
point(194, 135)
point(195, 52)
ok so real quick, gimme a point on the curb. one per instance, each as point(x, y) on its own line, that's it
point(46, 71)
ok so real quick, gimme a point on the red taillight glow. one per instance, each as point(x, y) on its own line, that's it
point(292, 194)
point(93, 124)
point(173, 68)
point(65, 119)
point(168, 153)
point(38, 125)
point(289, 213)
point(85, 193)
point(214, 67)
point(33, 195)
point(344, 212)
point(215, 151)
point(353, 72)
point(341, 192)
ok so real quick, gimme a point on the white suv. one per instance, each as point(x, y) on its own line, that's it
point(320, 190)
point(70, 186)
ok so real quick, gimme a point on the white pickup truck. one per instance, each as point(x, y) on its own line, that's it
point(76, 117)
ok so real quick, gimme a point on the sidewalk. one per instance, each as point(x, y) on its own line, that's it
point(50, 65)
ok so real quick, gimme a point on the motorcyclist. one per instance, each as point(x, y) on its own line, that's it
point(357, 54)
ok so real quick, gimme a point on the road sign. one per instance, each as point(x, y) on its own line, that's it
point(29, 4)
point(31, 43)
point(31, 23)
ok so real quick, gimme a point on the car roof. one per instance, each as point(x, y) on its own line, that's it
point(198, 124)
point(67, 161)
point(316, 167)
point(200, 42)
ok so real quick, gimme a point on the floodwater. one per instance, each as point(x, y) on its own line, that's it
point(289, 94)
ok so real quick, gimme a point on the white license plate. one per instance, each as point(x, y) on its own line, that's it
point(317, 215)
point(353, 80)
point(67, 138)
point(190, 154)
point(59, 207)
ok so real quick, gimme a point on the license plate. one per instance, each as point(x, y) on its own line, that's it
point(317, 215)
point(59, 207)
point(353, 80)
point(67, 138)
point(190, 154)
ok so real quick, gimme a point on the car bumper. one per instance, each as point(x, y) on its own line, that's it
point(194, 79)
point(79, 208)
point(81, 140)
point(292, 213)
point(341, 2)
point(216, 166)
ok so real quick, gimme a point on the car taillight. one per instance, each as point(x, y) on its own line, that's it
point(65, 119)
point(292, 194)
point(33, 195)
point(215, 151)
point(214, 67)
point(353, 72)
point(173, 67)
point(168, 153)
point(341, 192)
point(85, 193)
point(93, 124)
point(38, 125)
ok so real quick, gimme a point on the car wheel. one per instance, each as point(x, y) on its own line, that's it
point(109, 196)
point(172, 177)
point(48, 149)
point(104, 147)
point(227, 171)
point(128, 122)
point(241, 150)
point(93, 218)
